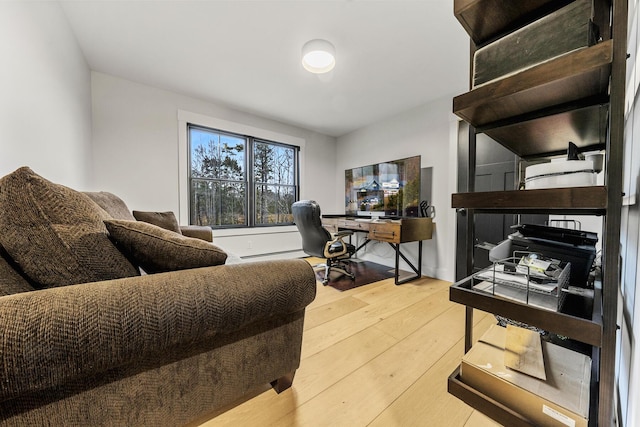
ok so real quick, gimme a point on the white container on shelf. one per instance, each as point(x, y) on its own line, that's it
point(560, 173)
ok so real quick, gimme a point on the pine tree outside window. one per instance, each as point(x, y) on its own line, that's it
point(240, 181)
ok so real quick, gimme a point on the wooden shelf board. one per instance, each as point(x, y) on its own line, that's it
point(483, 20)
point(571, 199)
point(481, 402)
point(580, 329)
point(581, 74)
point(586, 127)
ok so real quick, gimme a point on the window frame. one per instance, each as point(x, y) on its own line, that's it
point(222, 181)
point(187, 119)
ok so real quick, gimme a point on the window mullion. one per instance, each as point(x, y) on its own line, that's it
point(250, 179)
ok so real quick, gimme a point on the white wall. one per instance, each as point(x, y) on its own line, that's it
point(429, 131)
point(45, 94)
point(50, 98)
point(136, 155)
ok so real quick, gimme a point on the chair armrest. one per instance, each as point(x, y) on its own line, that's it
point(201, 232)
point(342, 233)
point(55, 335)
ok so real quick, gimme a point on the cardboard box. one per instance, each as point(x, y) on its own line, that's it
point(562, 400)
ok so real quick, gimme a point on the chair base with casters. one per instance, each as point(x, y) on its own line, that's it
point(318, 242)
point(337, 252)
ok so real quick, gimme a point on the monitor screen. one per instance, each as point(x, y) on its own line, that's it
point(384, 189)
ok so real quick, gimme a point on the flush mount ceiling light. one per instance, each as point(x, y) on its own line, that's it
point(318, 56)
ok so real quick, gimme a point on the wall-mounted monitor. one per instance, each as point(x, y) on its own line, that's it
point(384, 189)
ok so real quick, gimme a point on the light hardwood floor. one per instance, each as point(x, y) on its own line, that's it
point(378, 355)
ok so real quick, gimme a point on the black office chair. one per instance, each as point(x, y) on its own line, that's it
point(318, 242)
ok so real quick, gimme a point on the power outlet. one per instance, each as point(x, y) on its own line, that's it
point(250, 244)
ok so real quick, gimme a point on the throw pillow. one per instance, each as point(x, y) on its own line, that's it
point(55, 234)
point(166, 220)
point(157, 250)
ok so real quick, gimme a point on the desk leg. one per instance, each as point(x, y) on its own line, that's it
point(418, 270)
point(366, 240)
point(397, 264)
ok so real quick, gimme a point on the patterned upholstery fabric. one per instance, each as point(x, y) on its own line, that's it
point(165, 349)
point(144, 346)
point(166, 220)
point(157, 250)
point(10, 281)
point(178, 387)
point(112, 204)
point(56, 234)
point(201, 232)
point(118, 209)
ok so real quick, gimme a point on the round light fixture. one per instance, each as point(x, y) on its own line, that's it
point(318, 56)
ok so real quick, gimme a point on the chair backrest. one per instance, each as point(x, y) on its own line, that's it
point(306, 216)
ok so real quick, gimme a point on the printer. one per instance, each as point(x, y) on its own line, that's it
point(574, 246)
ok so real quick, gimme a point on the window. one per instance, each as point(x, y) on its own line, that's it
point(240, 181)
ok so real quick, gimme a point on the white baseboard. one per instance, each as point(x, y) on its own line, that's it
point(275, 255)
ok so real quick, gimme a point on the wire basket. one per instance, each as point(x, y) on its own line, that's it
point(527, 278)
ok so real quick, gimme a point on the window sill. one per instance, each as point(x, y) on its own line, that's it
point(229, 232)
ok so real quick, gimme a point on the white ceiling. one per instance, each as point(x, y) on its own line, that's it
point(392, 55)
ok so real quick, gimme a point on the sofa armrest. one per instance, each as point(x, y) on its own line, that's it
point(201, 232)
point(55, 335)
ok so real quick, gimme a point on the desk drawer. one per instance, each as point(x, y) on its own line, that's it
point(353, 224)
point(386, 232)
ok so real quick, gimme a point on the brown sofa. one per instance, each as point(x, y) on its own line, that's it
point(136, 350)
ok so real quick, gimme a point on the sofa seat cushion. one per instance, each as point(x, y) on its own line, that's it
point(55, 234)
point(158, 250)
point(166, 220)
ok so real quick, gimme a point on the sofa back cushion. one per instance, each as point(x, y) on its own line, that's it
point(166, 220)
point(112, 204)
point(55, 234)
point(11, 282)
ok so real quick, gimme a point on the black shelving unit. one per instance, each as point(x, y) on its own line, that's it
point(578, 97)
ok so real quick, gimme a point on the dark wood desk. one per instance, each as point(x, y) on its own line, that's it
point(394, 232)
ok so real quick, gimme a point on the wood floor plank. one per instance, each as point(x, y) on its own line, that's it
point(375, 355)
point(316, 374)
point(321, 314)
point(412, 318)
point(380, 294)
point(327, 294)
point(480, 420)
point(360, 398)
point(427, 402)
point(383, 302)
